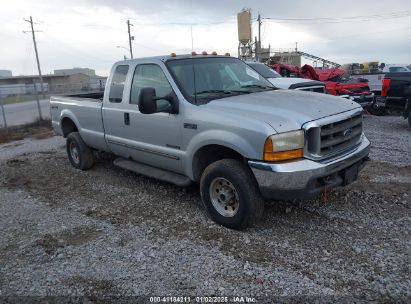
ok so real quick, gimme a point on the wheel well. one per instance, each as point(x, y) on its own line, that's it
point(209, 154)
point(68, 126)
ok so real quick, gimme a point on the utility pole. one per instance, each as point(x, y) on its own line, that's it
point(259, 37)
point(192, 40)
point(130, 38)
point(37, 54)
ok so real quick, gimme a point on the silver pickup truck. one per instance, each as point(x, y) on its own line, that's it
point(215, 121)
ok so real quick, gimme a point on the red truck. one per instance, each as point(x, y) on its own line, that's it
point(335, 82)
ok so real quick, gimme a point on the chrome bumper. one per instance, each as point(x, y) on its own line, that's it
point(306, 178)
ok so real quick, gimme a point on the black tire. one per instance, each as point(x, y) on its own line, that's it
point(79, 154)
point(249, 202)
point(375, 110)
point(409, 119)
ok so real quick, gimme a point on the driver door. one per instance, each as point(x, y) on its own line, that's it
point(153, 139)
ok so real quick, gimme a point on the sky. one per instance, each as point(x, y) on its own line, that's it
point(93, 33)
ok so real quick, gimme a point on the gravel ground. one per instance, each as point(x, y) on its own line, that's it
point(109, 232)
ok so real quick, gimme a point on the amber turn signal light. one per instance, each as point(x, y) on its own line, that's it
point(270, 155)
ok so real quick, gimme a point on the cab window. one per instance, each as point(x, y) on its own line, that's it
point(150, 76)
point(117, 84)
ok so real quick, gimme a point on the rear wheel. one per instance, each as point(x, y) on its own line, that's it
point(409, 119)
point(230, 194)
point(79, 154)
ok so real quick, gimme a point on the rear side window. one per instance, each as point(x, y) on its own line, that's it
point(117, 84)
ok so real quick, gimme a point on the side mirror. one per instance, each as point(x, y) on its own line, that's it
point(148, 102)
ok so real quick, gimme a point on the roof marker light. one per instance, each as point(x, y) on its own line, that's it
point(214, 53)
point(227, 54)
point(173, 55)
point(204, 53)
point(193, 54)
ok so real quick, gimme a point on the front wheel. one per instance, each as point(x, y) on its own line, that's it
point(230, 194)
point(79, 154)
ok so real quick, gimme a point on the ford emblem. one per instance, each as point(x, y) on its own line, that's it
point(347, 132)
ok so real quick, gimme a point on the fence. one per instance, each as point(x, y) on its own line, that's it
point(25, 103)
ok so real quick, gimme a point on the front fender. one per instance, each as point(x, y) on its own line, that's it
point(249, 150)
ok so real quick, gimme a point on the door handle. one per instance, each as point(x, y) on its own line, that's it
point(127, 118)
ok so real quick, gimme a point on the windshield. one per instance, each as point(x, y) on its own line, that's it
point(205, 79)
point(264, 70)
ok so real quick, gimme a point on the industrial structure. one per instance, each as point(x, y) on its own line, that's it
point(245, 47)
point(286, 56)
point(247, 50)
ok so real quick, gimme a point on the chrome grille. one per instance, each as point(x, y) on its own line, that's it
point(331, 138)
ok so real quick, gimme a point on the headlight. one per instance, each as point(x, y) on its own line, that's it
point(284, 146)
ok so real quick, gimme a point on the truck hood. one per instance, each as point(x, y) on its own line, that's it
point(283, 110)
point(285, 83)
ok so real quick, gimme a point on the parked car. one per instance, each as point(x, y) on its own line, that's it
point(301, 84)
point(389, 68)
point(396, 94)
point(215, 121)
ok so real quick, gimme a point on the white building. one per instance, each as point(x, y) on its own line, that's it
point(85, 71)
point(5, 73)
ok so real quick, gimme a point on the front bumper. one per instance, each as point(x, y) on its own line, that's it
point(306, 178)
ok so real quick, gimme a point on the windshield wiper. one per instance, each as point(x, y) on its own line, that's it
point(213, 91)
point(258, 86)
point(223, 92)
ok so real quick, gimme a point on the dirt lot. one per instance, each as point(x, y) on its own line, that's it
point(107, 231)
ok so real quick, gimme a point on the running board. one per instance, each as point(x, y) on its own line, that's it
point(164, 175)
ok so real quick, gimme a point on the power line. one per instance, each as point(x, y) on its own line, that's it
point(360, 18)
point(77, 52)
point(337, 38)
point(139, 22)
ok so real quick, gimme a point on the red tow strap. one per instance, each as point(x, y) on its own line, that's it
point(325, 194)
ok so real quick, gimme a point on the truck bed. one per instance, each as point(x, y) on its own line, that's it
point(85, 111)
point(374, 80)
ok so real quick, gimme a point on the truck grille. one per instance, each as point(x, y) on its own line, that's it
point(331, 138)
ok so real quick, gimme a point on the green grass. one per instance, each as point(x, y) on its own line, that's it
point(19, 98)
